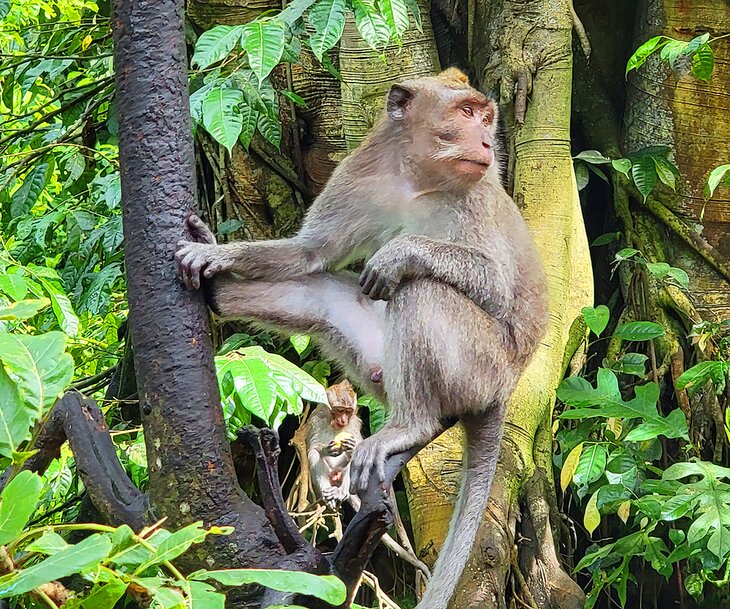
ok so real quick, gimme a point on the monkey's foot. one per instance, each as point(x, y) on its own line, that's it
point(368, 460)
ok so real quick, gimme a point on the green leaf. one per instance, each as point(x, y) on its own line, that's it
point(39, 366)
point(325, 587)
point(371, 24)
point(205, 596)
point(631, 363)
point(396, 15)
point(176, 544)
point(102, 596)
point(606, 238)
point(300, 342)
point(221, 117)
point(328, 19)
point(596, 319)
point(264, 44)
point(703, 62)
point(73, 559)
point(376, 410)
point(639, 331)
point(592, 156)
point(644, 174)
point(415, 10)
point(62, 309)
point(622, 165)
point(664, 172)
point(658, 269)
point(591, 465)
point(15, 417)
point(644, 51)
point(606, 401)
point(270, 129)
point(582, 176)
point(17, 504)
point(626, 253)
point(215, 44)
point(25, 309)
point(716, 176)
point(680, 276)
point(294, 11)
point(702, 373)
point(49, 543)
point(13, 285)
point(4, 8)
point(25, 197)
point(249, 120)
point(95, 299)
point(694, 583)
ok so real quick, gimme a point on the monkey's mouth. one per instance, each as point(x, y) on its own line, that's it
point(474, 165)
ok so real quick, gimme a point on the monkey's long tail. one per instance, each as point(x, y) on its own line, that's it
point(483, 436)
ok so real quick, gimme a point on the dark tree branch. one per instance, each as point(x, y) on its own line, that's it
point(80, 421)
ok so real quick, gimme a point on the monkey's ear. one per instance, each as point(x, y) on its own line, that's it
point(399, 99)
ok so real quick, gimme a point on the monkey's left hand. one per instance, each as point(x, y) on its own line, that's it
point(385, 271)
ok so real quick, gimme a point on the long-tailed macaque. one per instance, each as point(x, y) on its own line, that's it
point(452, 302)
point(333, 434)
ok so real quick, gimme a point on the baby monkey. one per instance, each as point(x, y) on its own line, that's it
point(450, 307)
point(333, 434)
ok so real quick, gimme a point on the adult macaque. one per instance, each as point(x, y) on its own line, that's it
point(333, 434)
point(452, 302)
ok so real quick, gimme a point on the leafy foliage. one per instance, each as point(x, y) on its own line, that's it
point(696, 55)
point(113, 560)
point(233, 96)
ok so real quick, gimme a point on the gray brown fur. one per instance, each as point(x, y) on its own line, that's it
point(456, 297)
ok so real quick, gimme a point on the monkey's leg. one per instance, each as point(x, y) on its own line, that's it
point(348, 326)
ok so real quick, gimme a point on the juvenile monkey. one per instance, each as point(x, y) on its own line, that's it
point(333, 434)
point(452, 302)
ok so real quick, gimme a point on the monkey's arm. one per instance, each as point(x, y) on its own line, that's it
point(310, 251)
point(486, 279)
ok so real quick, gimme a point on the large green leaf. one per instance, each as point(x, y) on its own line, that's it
point(62, 309)
point(644, 174)
point(177, 543)
point(205, 596)
point(102, 596)
point(264, 43)
point(325, 587)
point(396, 15)
point(25, 309)
point(74, 559)
point(591, 465)
point(328, 19)
point(370, 23)
point(221, 117)
point(703, 62)
point(700, 374)
point(716, 176)
point(605, 401)
point(39, 365)
point(25, 197)
point(294, 11)
point(639, 331)
point(16, 418)
point(215, 44)
point(644, 51)
point(17, 503)
point(596, 319)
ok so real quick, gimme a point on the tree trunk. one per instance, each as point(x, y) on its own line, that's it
point(190, 467)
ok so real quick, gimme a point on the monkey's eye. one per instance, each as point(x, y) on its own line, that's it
point(468, 111)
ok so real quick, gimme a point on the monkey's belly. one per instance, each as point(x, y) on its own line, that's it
point(461, 353)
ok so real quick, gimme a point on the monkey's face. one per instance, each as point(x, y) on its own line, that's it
point(449, 127)
point(341, 417)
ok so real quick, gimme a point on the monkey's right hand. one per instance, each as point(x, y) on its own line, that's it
point(202, 257)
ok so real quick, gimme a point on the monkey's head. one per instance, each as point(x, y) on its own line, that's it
point(448, 128)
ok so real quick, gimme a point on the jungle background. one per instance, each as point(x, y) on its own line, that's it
point(613, 487)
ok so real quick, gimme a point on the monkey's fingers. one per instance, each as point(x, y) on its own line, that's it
point(191, 262)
